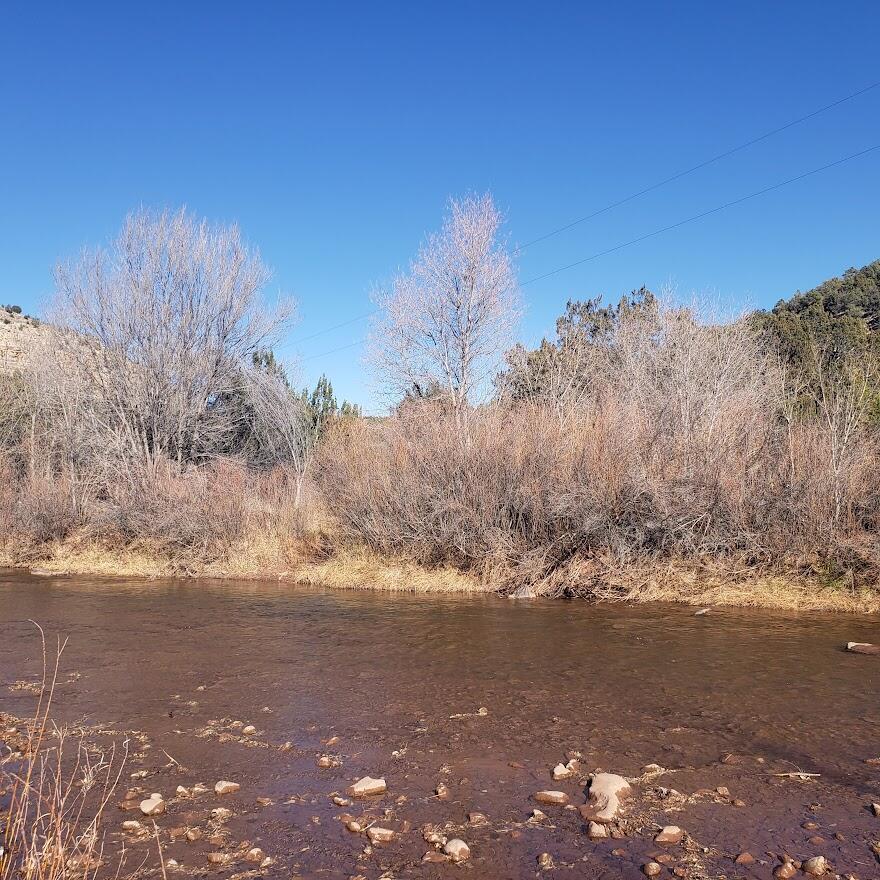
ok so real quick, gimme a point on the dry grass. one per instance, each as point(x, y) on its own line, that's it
point(60, 788)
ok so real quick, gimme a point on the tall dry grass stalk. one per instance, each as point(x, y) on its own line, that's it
point(60, 789)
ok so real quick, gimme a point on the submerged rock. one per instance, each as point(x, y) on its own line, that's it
point(605, 793)
point(597, 831)
point(366, 787)
point(862, 648)
point(380, 835)
point(545, 862)
point(816, 866)
point(651, 869)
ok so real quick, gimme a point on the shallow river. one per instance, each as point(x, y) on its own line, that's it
point(727, 699)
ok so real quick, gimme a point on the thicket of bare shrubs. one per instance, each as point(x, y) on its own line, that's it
point(675, 449)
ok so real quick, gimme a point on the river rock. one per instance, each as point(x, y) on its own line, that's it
point(153, 805)
point(669, 836)
point(380, 835)
point(551, 798)
point(560, 771)
point(606, 792)
point(132, 826)
point(366, 787)
point(249, 730)
point(785, 871)
point(457, 850)
point(597, 831)
point(875, 809)
point(545, 862)
point(433, 856)
point(651, 869)
point(816, 866)
point(862, 648)
point(224, 786)
point(745, 858)
point(255, 855)
point(219, 858)
point(442, 791)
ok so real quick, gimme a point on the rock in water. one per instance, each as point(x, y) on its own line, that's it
point(224, 786)
point(669, 836)
point(380, 835)
point(651, 869)
point(597, 831)
point(457, 850)
point(366, 787)
point(606, 792)
point(560, 771)
point(153, 805)
point(785, 871)
point(552, 798)
point(816, 866)
point(862, 648)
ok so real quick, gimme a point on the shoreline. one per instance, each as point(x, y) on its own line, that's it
point(362, 569)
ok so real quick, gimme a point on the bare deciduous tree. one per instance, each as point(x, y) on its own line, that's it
point(448, 320)
point(161, 330)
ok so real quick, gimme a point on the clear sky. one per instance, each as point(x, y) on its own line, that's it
point(333, 134)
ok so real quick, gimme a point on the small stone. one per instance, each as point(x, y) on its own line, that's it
point(380, 835)
point(618, 852)
point(597, 831)
point(226, 787)
point(218, 858)
point(723, 790)
point(140, 774)
point(194, 834)
point(816, 840)
point(433, 856)
point(267, 862)
point(651, 869)
point(809, 826)
point(457, 850)
point(354, 826)
point(172, 864)
point(785, 871)
point(199, 788)
point(332, 741)
point(341, 801)
point(551, 798)
point(326, 761)
point(737, 802)
point(664, 858)
point(679, 871)
point(816, 866)
point(545, 862)
point(537, 816)
point(153, 805)
point(221, 814)
point(477, 819)
point(442, 791)
point(875, 809)
point(255, 855)
point(862, 648)
point(669, 836)
point(560, 771)
point(367, 786)
point(745, 858)
point(132, 826)
point(250, 730)
point(182, 791)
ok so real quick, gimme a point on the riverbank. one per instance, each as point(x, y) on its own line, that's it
point(357, 568)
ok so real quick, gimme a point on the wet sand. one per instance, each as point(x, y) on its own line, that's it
point(725, 701)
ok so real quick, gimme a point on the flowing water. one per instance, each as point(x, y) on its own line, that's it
point(723, 700)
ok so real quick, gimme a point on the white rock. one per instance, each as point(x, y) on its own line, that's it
point(133, 826)
point(226, 787)
point(553, 798)
point(606, 792)
point(182, 791)
point(816, 866)
point(560, 771)
point(250, 730)
point(457, 850)
point(597, 831)
point(380, 835)
point(367, 786)
point(221, 814)
point(670, 835)
point(153, 805)
point(255, 855)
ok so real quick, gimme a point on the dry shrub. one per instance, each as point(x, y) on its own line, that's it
point(37, 511)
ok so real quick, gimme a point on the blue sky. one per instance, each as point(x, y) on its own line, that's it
point(334, 133)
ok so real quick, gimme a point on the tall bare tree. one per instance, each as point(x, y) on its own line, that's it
point(157, 336)
point(448, 320)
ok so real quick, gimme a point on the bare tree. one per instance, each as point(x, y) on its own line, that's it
point(153, 337)
point(449, 318)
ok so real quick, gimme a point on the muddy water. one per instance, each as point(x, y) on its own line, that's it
point(727, 699)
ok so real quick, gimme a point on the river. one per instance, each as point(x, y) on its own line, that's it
point(482, 694)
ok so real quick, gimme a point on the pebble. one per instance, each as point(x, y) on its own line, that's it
point(862, 648)
point(552, 798)
point(221, 814)
point(537, 816)
point(354, 826)
point(226, 787)
point(255, 855)
point(597, 831)
point(327, 761)
point(153, 805)
point(250, 730)
point(442, 791)
point(651, 869)
point(816, 866)
point(182, 791)
point(433, 856)
point(477, 819)
point(560, 771)
point(132, 826)
point(219, 858)
point(669, 836)
point(545, 862)
point(367, 786)
point(785, 871)
point(341, 801)
point(172, 864)
point(875, 809)
point(194, 834)
point(380, 835)
point(745, 858)
point(457, 850)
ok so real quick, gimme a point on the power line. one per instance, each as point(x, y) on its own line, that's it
point(663, 229)
point(620, 202)
point(699, 216)
point(697, 167)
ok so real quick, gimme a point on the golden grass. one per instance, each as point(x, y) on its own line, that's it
point(269, 557)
